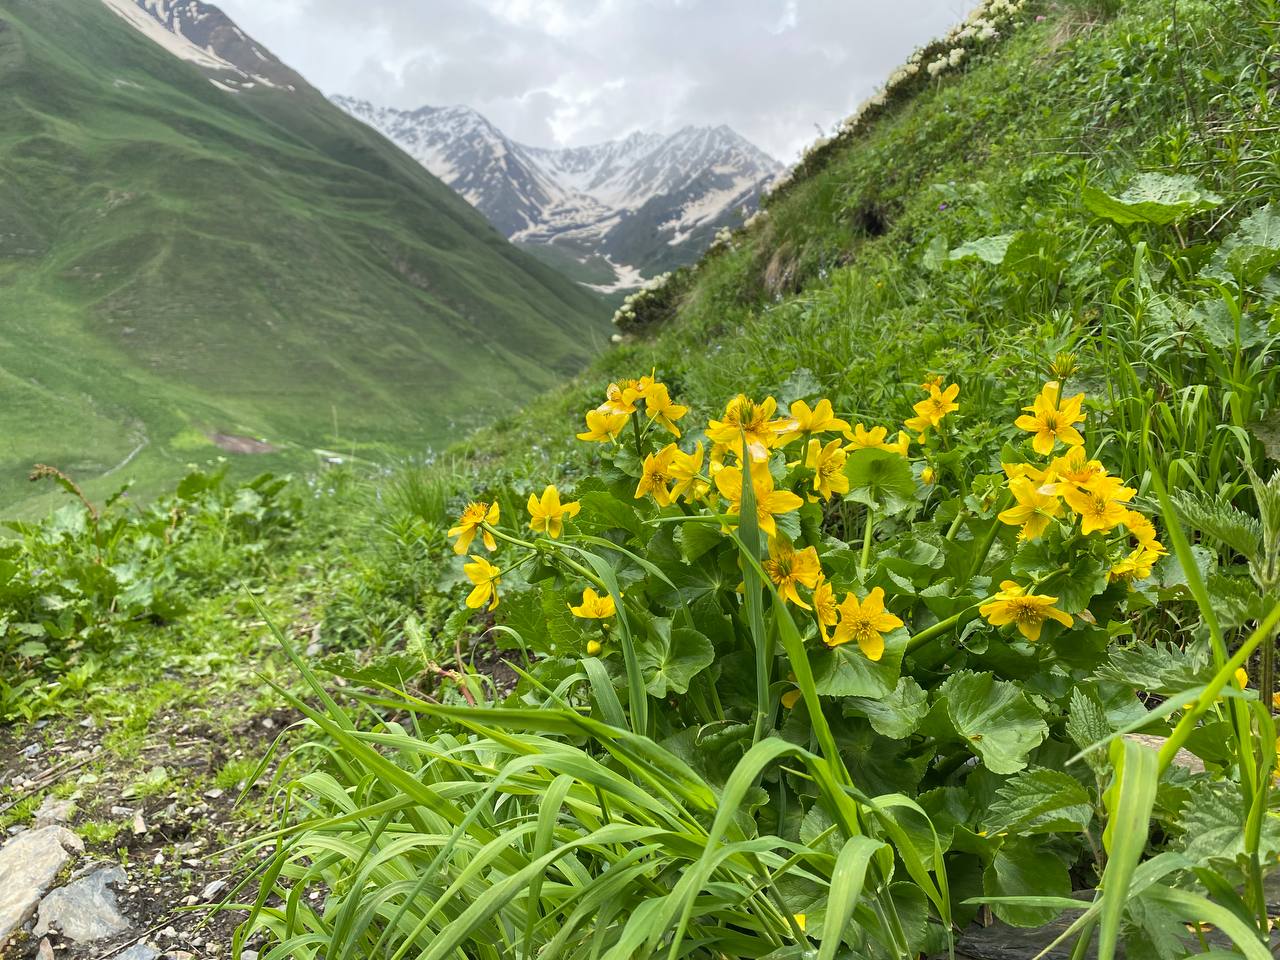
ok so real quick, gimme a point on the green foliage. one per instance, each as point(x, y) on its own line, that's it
point(77, 585)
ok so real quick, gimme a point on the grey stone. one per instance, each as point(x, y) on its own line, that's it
point(28, 864)
point(211, 890)
point(85, 909)
point(1183, 758)
point(54, 812)
point(139, 951)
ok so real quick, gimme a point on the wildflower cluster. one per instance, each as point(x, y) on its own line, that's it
point(627, 315)
point(1067, 489)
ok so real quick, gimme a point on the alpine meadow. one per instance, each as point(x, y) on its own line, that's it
point(898, 576)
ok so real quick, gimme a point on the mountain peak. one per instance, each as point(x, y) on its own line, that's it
point(645, 202)
point(202, 34)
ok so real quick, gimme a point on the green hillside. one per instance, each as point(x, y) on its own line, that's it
point(176, 261)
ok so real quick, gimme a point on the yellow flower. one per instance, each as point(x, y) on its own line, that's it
point(1051, 422)
point(1028, 611)
point(686, 473)
point(825, 609)
point(789, 700)
point(1076, 467)
point(901, 446)
point(549, 514)
point(755, 420)
point(827, 464)
point(866, 622)
point(656, 476)
point(1136, 566)
point(937, 405)
point(929, 475)
point(919, 425)
point(1034, 509)
point(1242, 678)
point(933, 383)
point(769, 502)
point(821, 419)
point(594, 606)
point(603, 426)
point(621, 398)
point(800, 919)
point(1144, 531)
point(470, 523)
point(789, 569)
point(1040, 477)
point(1100, 504)
point(485, 577)
point(594, 647)
point(861, 438)
point(660, 409)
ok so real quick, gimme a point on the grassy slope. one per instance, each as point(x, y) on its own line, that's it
point(833, 291)
point(175, 259)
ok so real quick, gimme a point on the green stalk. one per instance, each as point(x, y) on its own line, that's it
point(868, 531)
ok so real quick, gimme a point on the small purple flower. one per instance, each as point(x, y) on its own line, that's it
point(942, 206)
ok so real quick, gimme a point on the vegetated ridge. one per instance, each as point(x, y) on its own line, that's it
point(192, 246)
point(623, 209)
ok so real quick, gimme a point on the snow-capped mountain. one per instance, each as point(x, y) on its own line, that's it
point(644, 203)
point(204, 35)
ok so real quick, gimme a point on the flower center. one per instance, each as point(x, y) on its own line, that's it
point(1026, 611)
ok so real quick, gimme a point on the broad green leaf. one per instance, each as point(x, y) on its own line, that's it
point(1252, 251)
point(1039, 801)
point(987, 249)
point(898, 714)
point(1022, 865)
point(672, 656)
point(994, 717)
point(845, 671)
point(880, 479)
point(1152, 198)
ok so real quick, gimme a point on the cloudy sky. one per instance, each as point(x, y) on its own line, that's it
point(571, 72)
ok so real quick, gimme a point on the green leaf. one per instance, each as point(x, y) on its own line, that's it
point(1152, 198)
point(990, 250)
point(671, 657)
point(898, 714)
point(1087, 724)
point(880, 479)
point(1019, 866)
point(845, 671)
point(1252, 251)
point(1039, 801)
point(994, 717)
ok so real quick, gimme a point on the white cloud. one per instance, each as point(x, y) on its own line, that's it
point(576, 71)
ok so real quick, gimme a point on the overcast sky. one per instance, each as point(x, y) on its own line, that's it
point(572, 72)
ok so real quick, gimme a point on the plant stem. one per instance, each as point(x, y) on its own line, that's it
point(635, 429)
point(867, 531)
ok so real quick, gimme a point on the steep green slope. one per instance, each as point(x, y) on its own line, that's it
point(176, 260)
point(856, 283)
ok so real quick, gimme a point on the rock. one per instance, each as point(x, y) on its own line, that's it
point(1183, 758)
point(54, 812)
point(85, 909)
point(139, 824)
point(213, 889)
point(215, 793)
point(139, 951)
point(248, 955)
point(28, 864)
point(45, 950)
point(169, 933)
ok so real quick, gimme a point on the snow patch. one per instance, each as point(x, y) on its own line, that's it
point(179, 46)
point(625, 277)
